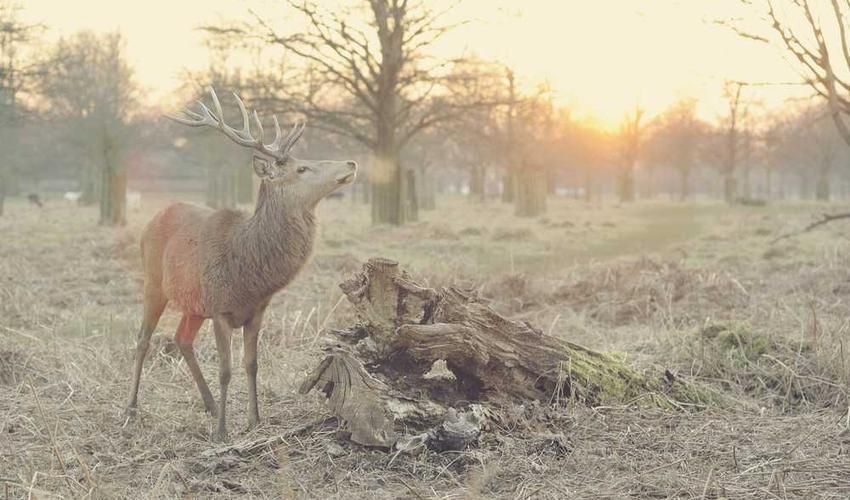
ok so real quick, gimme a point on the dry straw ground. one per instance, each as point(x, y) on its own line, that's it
point(695, 288)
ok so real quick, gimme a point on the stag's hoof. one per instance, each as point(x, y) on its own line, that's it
point(211, 409)
point(219, 436)
point(131, 412)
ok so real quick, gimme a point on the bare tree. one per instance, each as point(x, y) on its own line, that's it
point(730, 135)
point(17, 76)
point(367, 74)
point(675, 141)
point(814, 35)
point(90, 82)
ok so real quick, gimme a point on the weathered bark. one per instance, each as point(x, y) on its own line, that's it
point(404, 330)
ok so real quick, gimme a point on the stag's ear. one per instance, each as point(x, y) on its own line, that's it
point(262, 166)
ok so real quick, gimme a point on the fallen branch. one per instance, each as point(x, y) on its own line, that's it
point(257, 446)
point(825, 219)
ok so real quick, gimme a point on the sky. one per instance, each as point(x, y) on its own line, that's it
point(601, 57)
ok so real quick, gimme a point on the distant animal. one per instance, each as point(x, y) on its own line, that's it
point(72, 196)
point(35, 200)
point(134, 200)
point(225, 265)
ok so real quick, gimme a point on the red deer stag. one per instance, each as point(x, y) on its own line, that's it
point(225, 265)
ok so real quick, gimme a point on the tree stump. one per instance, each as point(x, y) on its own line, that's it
point(378, 373)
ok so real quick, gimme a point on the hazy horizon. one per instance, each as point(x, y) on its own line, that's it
point(663, 50)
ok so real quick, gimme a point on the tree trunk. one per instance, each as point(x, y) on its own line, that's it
point(530, 193)
point(626, 184)
point(113, 196)
point(486, 358)
point(387, 192)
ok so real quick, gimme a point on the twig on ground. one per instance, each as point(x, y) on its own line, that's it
point(825, 218)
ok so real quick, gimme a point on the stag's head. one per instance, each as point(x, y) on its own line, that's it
point(304, 181)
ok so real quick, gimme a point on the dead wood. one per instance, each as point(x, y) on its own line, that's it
point(825, 219)
point(356, 397)
point(404, 328)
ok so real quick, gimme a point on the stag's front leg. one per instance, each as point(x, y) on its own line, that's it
point(223, 333)
point(251, 333)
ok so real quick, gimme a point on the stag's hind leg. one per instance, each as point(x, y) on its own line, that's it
point(185, 337)
point(223, 333)
point(155, 303)
point(250, 333)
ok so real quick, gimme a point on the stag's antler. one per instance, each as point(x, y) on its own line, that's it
point(279, 148)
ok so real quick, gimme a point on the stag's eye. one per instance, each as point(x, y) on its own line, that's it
point(301, 170)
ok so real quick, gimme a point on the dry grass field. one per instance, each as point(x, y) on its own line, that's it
point(696, 288)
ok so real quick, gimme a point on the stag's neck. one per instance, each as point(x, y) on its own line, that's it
point(277, 239)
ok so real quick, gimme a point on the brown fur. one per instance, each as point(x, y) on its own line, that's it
point(224, 262)
point(225, 265)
